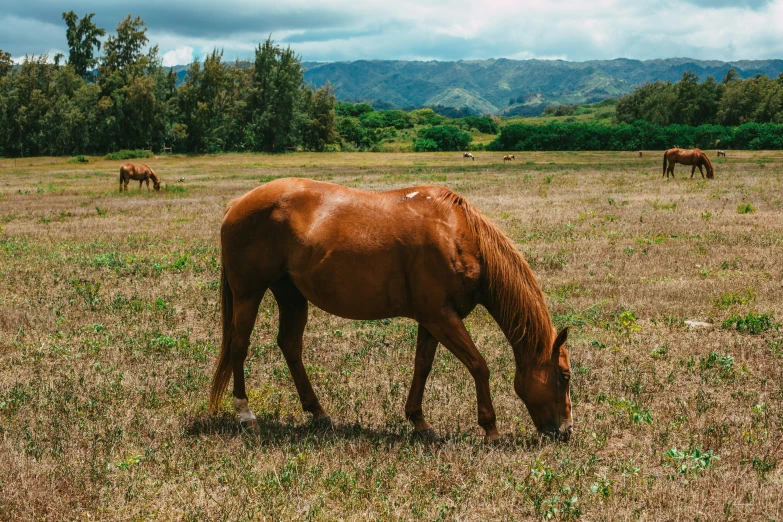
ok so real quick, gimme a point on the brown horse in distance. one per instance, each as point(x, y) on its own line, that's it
point(420, 252)
point(721, 153)
point(141, 173)
point(694, 157)
point(508, 158)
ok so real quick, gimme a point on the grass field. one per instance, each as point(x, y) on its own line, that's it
point(109, 329)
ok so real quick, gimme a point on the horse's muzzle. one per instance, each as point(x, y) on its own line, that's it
point(561, 435)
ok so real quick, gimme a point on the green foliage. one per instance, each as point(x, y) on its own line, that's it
point(731, 102)
point(560, 110)
point(78, 159)
point(353, 110)
point(128, 154)
point(729, 299)
point(130, 102)
point(485, 124)
point(82, 37)
point(639, 135)
point(690, 462)
point(745, 208)
point(442, 138)
point(751, 323)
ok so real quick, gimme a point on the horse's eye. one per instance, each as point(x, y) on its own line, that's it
point(566, 377)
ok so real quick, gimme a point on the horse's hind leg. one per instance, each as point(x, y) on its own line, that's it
point(292, 307)
point(451, 332)
point(426, 345)
point(693, 170)
point(245, 311)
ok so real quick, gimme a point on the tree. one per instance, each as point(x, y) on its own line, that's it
point(82, 36)
point(442, 138)
point(319, 125)
point(274, 97)
point(5, 63)
point(124, 48)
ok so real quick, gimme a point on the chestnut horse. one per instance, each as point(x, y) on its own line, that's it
point(420, 252)
point(508, 158)
point(141, 173)
point(694, 157)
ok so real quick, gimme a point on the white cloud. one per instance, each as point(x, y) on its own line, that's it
point(438, 29)
point(179, 56)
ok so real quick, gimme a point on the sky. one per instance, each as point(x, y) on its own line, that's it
point(342, 30)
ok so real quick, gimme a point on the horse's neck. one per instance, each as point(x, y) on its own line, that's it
point(523, 317)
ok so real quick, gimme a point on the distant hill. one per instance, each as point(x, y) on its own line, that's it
point(507, 87)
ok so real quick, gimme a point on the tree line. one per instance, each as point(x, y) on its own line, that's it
point(126, 99)
point(732, 101)
point(640, 135)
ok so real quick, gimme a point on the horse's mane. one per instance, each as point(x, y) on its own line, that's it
point(520, 306)
point(707, 161)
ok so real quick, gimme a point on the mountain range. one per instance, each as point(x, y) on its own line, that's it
point(508, 87)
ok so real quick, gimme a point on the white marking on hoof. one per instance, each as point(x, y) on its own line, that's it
point(411, 195)
point(245, 415)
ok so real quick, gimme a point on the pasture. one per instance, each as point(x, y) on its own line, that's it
point(109, 329)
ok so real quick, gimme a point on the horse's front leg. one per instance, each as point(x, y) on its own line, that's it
point(451, 332)
point(426, 345)
point(693, 169)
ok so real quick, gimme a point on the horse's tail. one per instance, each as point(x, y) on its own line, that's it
point(223, 367)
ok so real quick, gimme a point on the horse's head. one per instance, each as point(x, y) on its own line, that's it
point(545, 390)
point(156, 184)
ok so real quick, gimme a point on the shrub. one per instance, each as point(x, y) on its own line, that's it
point(751, 323)
point(128, 154)
point(443, 138)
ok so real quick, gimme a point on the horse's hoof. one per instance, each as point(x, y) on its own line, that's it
point(492, 440)
point(427, 435)
point(249, 425)
point(322, 423)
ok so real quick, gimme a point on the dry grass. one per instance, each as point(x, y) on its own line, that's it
point(109, 329)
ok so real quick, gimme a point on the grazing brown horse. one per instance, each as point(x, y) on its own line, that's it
point(694, 157)
point(420, 252)
point(640, 154)
point(141, 173)
point(508, 158)
point(468, 155)
point(721, 153)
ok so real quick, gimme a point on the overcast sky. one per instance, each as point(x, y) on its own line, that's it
point(336, 30)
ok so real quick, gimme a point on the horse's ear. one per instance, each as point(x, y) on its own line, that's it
point(559, 342)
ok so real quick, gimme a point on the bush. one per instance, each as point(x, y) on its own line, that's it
point(79, 159)
point(128, 154)
point(640, 135)
point(353, 110)
point(484, 124)
point(442, 138)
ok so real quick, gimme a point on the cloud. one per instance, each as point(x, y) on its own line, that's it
point(179, 56)
point(334, 30)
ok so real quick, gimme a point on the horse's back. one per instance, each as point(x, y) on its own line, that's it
point(354, 253)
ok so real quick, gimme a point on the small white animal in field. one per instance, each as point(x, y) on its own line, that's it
point(468, 155)
point(181, 180)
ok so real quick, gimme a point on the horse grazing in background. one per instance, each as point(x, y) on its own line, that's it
point(468, 155)
point(508, 158)
point(694, 157)
point(722, 153)
point(420, 252)
point(640, 154)
point(141, 173)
